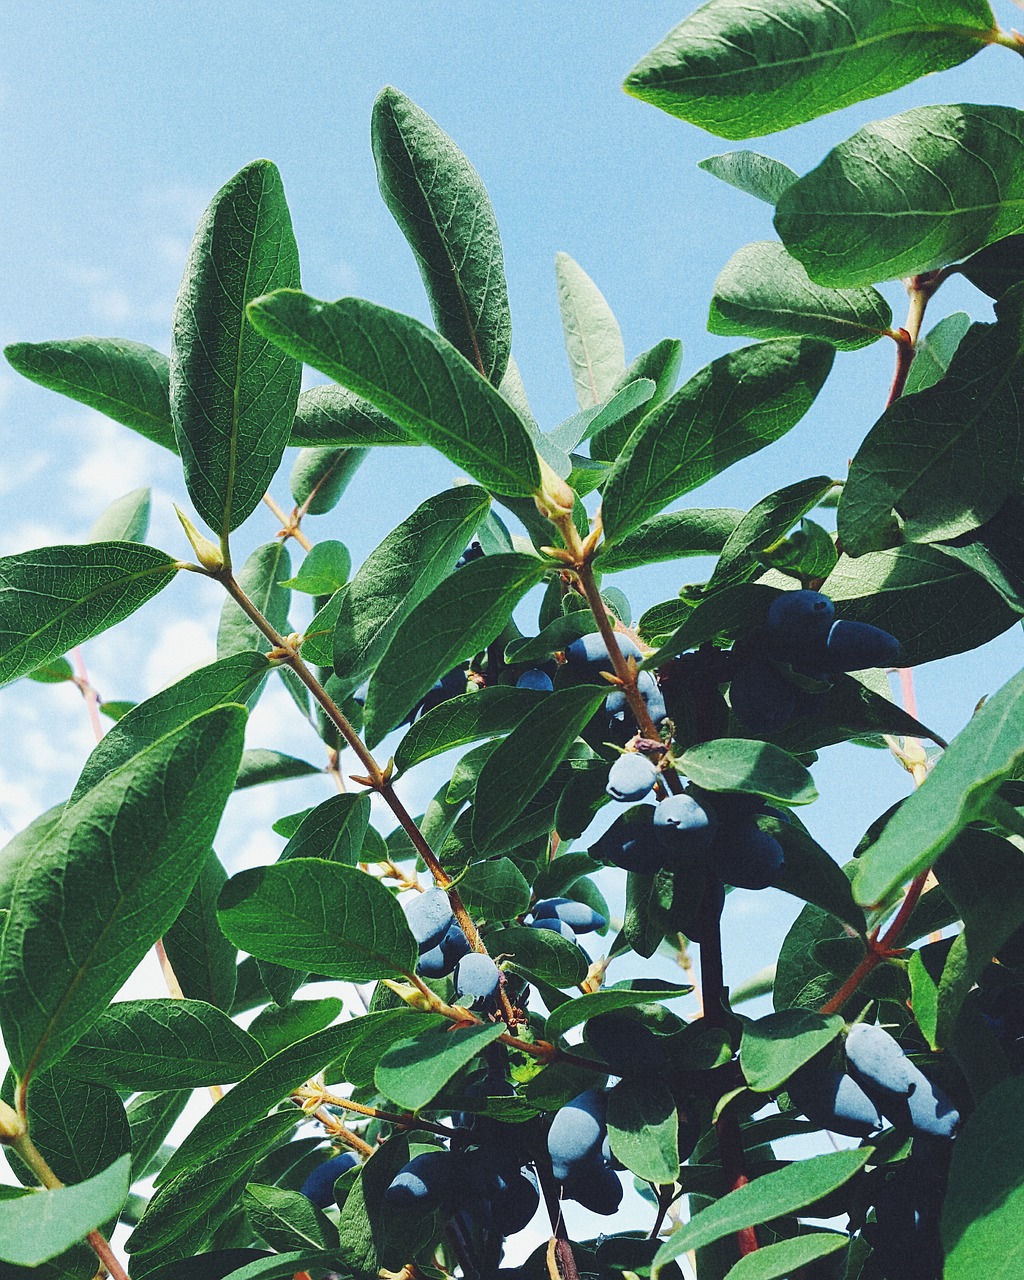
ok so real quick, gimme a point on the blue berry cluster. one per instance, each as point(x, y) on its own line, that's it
point(445, 949)
point(801, 633)
point(588, 656)
point(565, 916)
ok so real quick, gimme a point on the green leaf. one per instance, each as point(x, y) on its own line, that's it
point(776, 1261)
point(277, 1027)
point(411, 374)
point(125, 380)
point(56, 671)
point(728, 410)
point(749, 171)
point(741, 764)
point(107, 882)
point(495, 890)
point(997, 267)
point(164, 1044)
point(279, 1266)
point(150, 1118)
point(661, 364)
point(643, 1129)
point(593, 1004)
point(233, 393)
point(259, 765)
point(763, 526)
point(272, 1082)
point(398, 574)
point(728, 613)
point(229, 681)
point(260, 578)
point(775, 1046)
point(287, 1219)
point(763, 292)
point(439, 201)
point(935, 350)
point(982, 1209)
point(41, 1225)
point(188, 1208)
point(908, 194)
point(459, 618)
point(335, 830)
point(932, 604)
point(320, 476)
point(559, 633)
point(526, 759)
point(771, 1196)
point(414, 1071)
point(372, 1236)
point(955, 793)
point(203, 960)
point(487, 713)
point(540, 953)
point(922, 456)
point(995, 551)
point(318, 916)
point(628, 405)
point(332, 416)
point(21, 848)
point(125, 520)
point(54, 598)
point(742, 70)
point(810, 874)
point(593, 341)
point(695, 532)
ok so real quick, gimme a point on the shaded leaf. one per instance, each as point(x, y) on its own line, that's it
point(125, 380)
point(415, 1071)
point(259, 765)
point(335, 830)
point(643, 1129)
point(287, 1219)
point(233, 393)
point(749, 171)
point(442, 207)
point(696, 532)
point(593, 1004)
point(935, 350)
point(539, 953)
point(412, 375)
point(729, 409)
point(741, 764)
point(333, 416)
point(320, 476)
point(781, 1259)
point(763, 526)
point(494, 890)
point(54, 598)
point(40, 1225)
point(995, 551)
point(487, 713)
point(125, 520)
point(661, 364)
point(908, 194)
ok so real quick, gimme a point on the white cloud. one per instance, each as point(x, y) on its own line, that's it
point(183, 645)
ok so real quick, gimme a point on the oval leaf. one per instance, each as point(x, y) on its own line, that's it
point(40, 1225)
point(740, 764)
point(414, 1071)
point(593, 341)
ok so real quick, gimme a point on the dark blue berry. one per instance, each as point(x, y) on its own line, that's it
point(855, 646)
point(429, 914)
point(577, 915)
point(797, 625)
point(631, 777)
point(684, 825)
point(590, 651)
point(835, 1101)
point(319, 1186)
point(577, 1131)
point(477, 975)
point(555, 926)
point(762, 699)
point(747, 857)
point(595, 1187)
point(439, 961)
point(535, 679)
point(426, 1182)
point(628, 1046)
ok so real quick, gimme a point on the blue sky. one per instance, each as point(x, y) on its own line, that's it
point(119, 122)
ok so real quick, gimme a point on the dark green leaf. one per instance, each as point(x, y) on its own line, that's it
point(276, 1027)
point(763, 292)
point(287, 1219)
point(923, 457)
point(741, 764)
point(809, 552)
point(279, 1266)
point(439, 201)
point(459, 618)
point(398, 574)
point(486, 713)
point(729, 409)
point(728, 613)
point(526, 759)
point(233, 393)
point(556, 636)
point(188, 1207)
point(414, 1071)
point(811, 874)
point(21, 848)
point(260, 578)
point(995, 551)
point(661, 363)
point(784, 1191)
point(259, 765)
point(203, 960)
point(494, 890)
point(908, 194)
point(164, 1044)
point(331, 416)
point(125, 520)
point(749, 171)
point(997, 267)
point(696, 532)
point(413, 375)
point(320, 476)
point(740, 71)
point(39, 1226)
point(628, 405)
point(56, 671)
point(107, 882)
point(56, 597)
point(643, 1129)
point(933, 605)
point(541, 953)
point(125, 380)
point(982, 1209)
point(335, 830)
point(775, 1261)
point(956, 792)
point(150, 1117)
point(934, 352)
point(763, 526)
point(318, 916)
point(372, 1236)
point(592, 1005)
point(593, 341)
point(775, 1046)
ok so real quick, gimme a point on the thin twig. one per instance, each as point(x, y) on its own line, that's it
point(289, 526)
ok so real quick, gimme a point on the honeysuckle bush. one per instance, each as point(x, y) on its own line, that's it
point(497, 1067)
